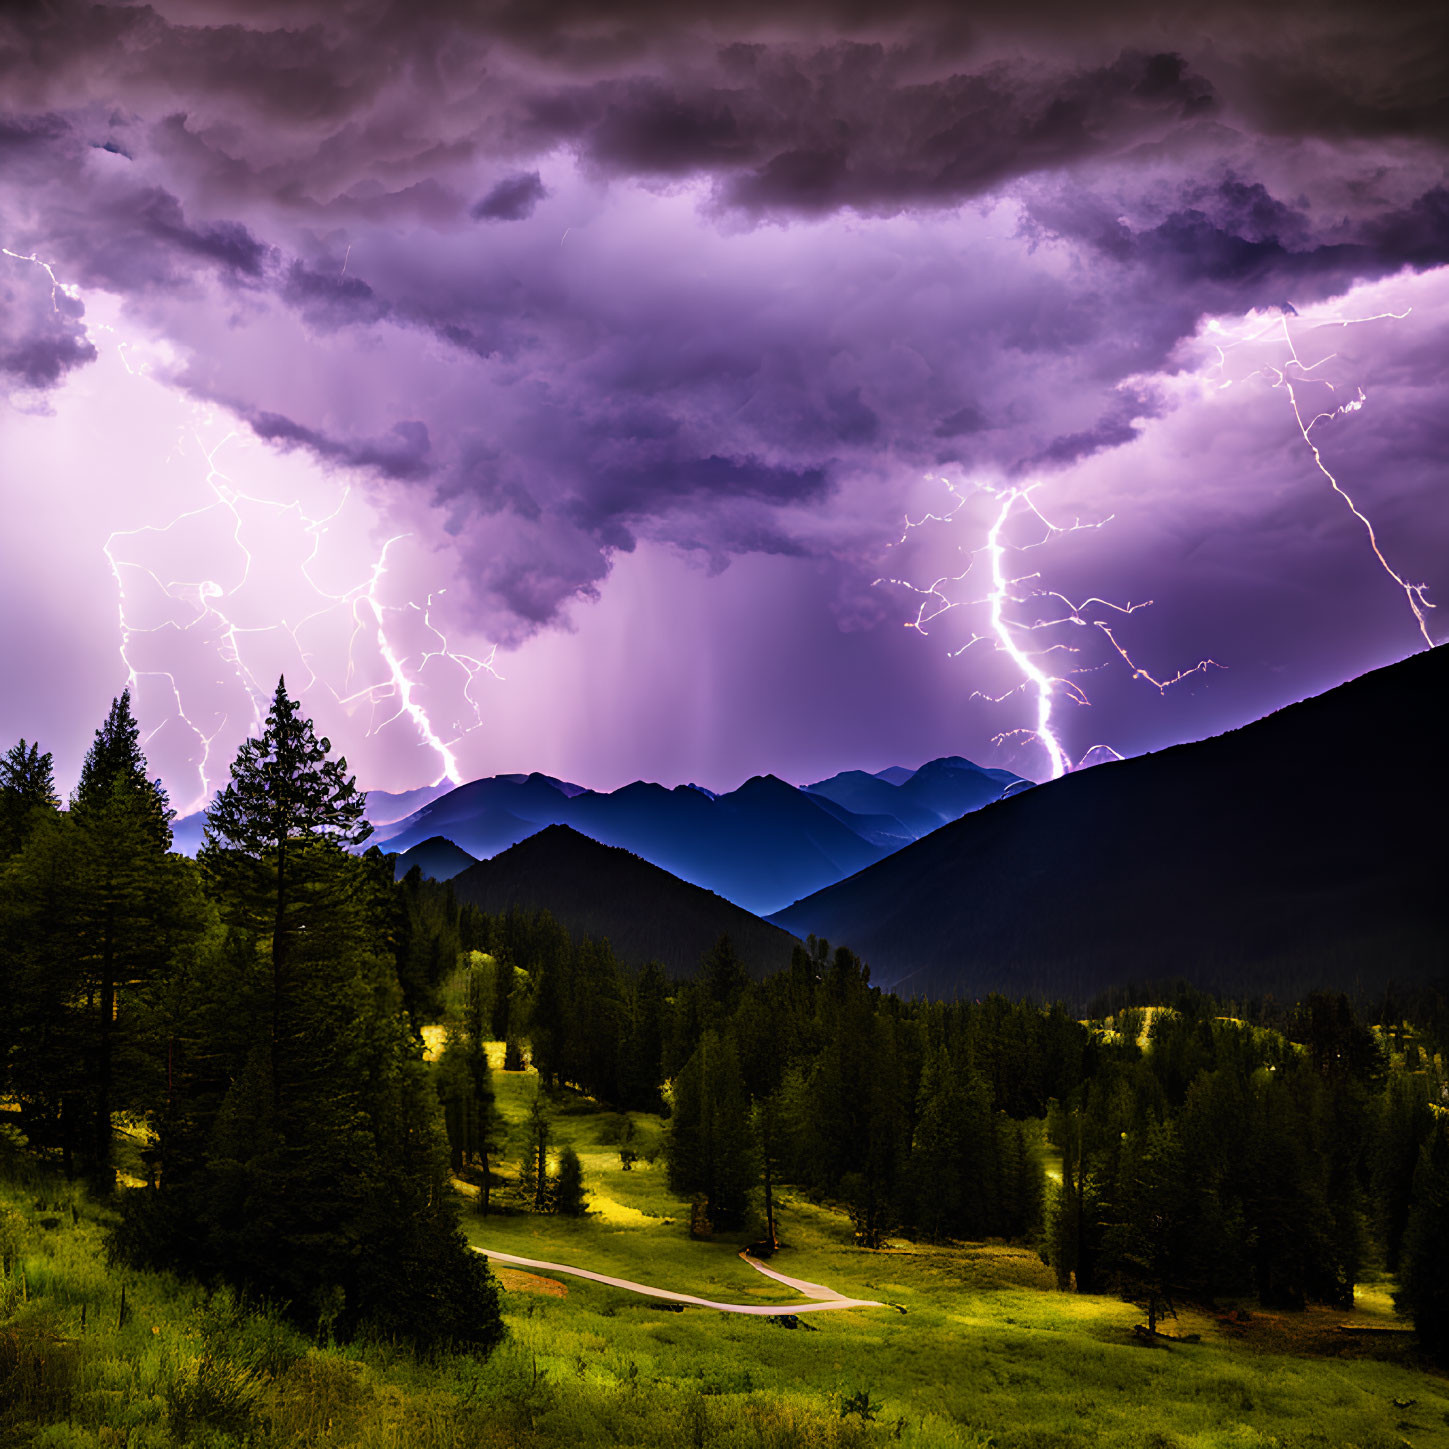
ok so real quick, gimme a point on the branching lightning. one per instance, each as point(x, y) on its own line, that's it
point(1009, 632)
point(200, 605)
point(1414, 594)
point(1005, 596)
point(208, 602)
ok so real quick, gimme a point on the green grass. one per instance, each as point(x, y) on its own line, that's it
point(987, 1353)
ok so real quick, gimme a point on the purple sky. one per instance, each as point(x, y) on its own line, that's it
point(641, 337)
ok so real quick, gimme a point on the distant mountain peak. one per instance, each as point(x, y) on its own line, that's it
point(894, 774)
point(436, 857)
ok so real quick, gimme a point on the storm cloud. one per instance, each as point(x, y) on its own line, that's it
point(564, 286)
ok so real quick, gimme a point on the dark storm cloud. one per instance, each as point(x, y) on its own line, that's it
point(22, 134)
point(1235, 243)
point(812, 130)
point(642, 489)
point(42, 330)
point(329, 161)
point(512, 199)
point(331, 299)
point(40, 360)
point(402, 454)
point(156, 215)
point(1119, 425)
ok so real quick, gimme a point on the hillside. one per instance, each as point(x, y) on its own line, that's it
point(602, 891)
point(1272, 858)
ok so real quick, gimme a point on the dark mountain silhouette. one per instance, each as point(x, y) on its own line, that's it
point(604, 892)
point(386, 806)
point(894, 774)
point(924, 799)
point(564, 787)
point(870, 796)
point(187, 832)
point(438, 859)
point(759, 846)
point(1264, 860)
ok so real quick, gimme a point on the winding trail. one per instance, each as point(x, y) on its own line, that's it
point(822, 1298)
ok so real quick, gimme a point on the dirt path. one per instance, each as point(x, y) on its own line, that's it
point(822, 1297)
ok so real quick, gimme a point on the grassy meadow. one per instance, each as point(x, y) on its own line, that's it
point(975, 1347)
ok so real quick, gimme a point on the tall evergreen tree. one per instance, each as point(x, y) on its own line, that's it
point(1404, 1118)
point(125, 904)
point(1424, 1291)
point(465, 1088)
point(1150, 1246)
point(27, 793)
point(710, 1146)
point(89, 952)
point(641, 1069)
point(271, 841)
point(318, 1176)
point(568, 1192)
point(723, 978)
point(27, 802)
point(535, 1152)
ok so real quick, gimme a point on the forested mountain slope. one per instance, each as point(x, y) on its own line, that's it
point(1305, 849)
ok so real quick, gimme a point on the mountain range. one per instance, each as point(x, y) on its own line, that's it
point(760, 846)
point(1305, 849)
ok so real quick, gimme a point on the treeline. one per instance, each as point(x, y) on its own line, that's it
point(1202, 1155)
point(244, 1016)
point(918, 1116)
point(1226, 1159)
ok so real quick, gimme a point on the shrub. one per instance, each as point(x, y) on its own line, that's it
point(37, 1368)
point(215, 1394)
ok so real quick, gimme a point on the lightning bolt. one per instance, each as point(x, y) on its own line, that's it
point(1415, 595)
point(68, 289)
point(203, 607)
point(1006, 594)
point(400, 685)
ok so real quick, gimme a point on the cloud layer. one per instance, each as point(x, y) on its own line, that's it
point(556, 286)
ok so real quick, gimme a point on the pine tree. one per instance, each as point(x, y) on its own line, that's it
point(317, 1175)
point(465, 1088)
point(641, 1058)
point(28, 802)
point(271, 842)
point(45, 1032)
point(27, 793)
point(568, 1191)
point(125, 897)
point(723, 978)
point(710, 1147)
point(96, 912)
point(1424, 1275)
point(1404, 1118)
point(535, 1153)
point(1149, 1247)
